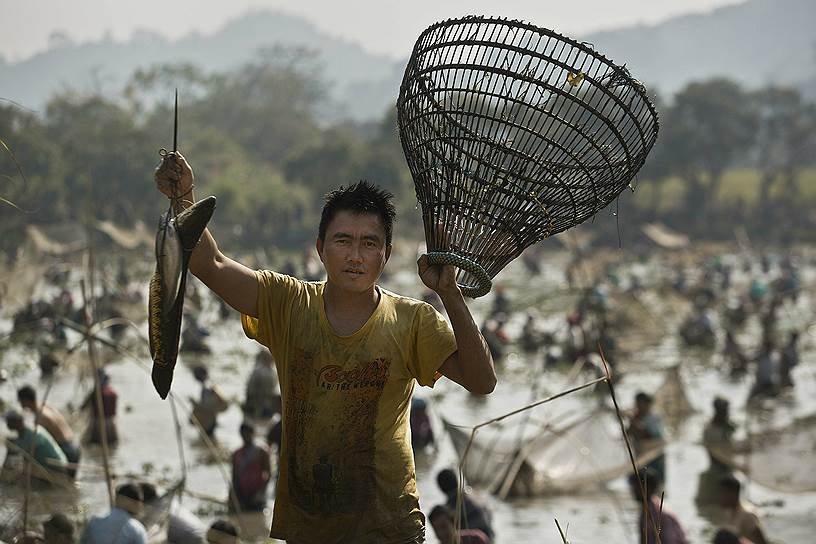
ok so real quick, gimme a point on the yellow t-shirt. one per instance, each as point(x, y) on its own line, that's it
point(347, 469)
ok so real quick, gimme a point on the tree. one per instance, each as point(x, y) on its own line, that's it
point(786, 127)
point(708, 127)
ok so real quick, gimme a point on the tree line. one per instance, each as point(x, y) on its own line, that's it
point(257, 139)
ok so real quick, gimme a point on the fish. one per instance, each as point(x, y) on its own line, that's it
point(175, 240)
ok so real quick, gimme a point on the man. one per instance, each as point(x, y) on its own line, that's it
point(718, 440)
point(788, 359)
point(251, 472)
point(656, 514)
point(473, 515)
point(121, 525)
point(183, 527)
point(733, 354)
point(347, 353)
point(262, 400)
point(718, 435)
point(209, 404)
point(646, 432)
point(39, 445)
point(422, 435)
point(765, 381)
point(441, 519)
point(740, 517)
point(50, 419)
point(109, 401)
point(58, 529)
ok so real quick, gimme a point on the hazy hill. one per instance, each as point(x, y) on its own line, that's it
point(106, 64)
point(756, 43)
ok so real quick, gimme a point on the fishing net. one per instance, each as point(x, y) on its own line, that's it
point(776, 458)
point(514, 133)
point(582, 451)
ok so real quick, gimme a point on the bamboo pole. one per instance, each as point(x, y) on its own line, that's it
point(100, 411)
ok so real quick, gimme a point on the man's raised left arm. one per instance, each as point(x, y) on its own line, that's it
point(471, 366)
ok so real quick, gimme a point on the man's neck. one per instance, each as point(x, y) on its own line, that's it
point(342, 302)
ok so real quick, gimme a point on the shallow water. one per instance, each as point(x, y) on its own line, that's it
point(148, 443)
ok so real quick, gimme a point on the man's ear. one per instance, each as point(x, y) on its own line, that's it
point(319, 247)
point(388, 249)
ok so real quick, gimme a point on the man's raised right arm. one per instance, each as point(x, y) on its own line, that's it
point(235, 283)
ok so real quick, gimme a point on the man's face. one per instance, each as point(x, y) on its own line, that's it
point(643, 406)
point(354, 252)
point(727, 498)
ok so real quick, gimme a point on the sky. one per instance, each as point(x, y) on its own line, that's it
point(380, 26)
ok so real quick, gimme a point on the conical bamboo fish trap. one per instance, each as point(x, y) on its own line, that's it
point(514, 133)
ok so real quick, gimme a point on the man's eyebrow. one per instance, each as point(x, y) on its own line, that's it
point(343, 235)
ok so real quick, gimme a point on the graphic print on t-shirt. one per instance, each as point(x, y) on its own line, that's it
point(331, 462)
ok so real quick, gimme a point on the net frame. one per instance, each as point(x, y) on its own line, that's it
point(514, 133)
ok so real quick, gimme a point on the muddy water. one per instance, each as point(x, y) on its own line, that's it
point(148, 444)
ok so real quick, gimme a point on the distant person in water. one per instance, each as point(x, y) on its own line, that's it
point(51, 420)
point(647, 434)
point(38, 445)
point(474, 515)
point(262, 398)
point(183, 527)
point(740, 518)
point(422, 434)
point(58, 529)
point(765, 380)
point(251, 472)
point(109, 402)
point(441, 519)
point(530, 341)
point(210, 402)
point(718, 435)
point(121, 525)
point(734, 355)
point(656, 514)
point(718, 439)
point(788, 359)
point(48, 363)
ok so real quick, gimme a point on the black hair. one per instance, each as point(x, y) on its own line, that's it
point(723, 536)
point(362, 197)
point(130, 491)
point(225, 527)
point(730, 483)
point(447, 481)
point(148, 491)
point(60, 524)
point(440, 510)
point(643, 397)
point(27, 392)
point(247, 427)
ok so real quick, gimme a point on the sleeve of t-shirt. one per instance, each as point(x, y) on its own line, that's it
point(433, 343)
point(276, 293)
